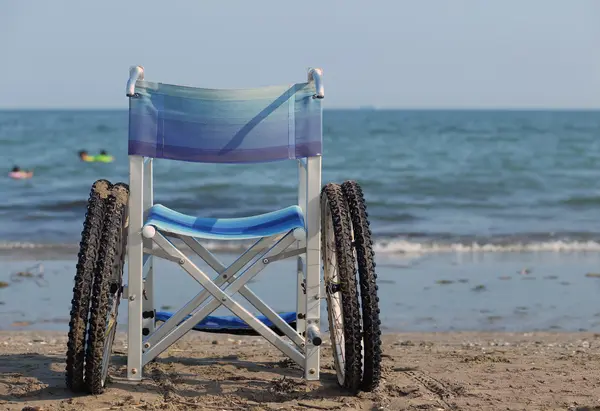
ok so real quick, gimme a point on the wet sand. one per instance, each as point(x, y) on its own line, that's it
point(513, 292)
point(422, 371)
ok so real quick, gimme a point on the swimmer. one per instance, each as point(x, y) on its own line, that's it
point(104, 157)
point(19, 174)
point(84, 156)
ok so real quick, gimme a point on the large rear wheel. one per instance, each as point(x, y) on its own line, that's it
point(86, 264)
point(340, 287)
point(363, 247)
point(107, 289)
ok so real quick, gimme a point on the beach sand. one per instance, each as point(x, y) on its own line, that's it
point(422, 371)
point(527, 341)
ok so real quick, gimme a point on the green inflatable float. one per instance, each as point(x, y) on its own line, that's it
point(103, 157)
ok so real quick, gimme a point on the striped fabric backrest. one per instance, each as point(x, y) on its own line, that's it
point(225, 126)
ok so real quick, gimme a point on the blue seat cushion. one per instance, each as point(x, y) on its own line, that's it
point(262, 225)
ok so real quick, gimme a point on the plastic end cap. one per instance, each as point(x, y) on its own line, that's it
point(317, 341)
point(148, 231)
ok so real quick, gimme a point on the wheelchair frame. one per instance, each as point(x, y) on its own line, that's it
point(118, 210)
point(145, 243)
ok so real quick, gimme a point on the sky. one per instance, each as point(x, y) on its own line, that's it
point(380, 53)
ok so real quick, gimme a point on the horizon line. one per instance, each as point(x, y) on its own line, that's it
point(359, 108)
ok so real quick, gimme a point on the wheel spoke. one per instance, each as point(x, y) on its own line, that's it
point(334, 300)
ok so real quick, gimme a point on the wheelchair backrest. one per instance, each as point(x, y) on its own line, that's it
point(225, 126)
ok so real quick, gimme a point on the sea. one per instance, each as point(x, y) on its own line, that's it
point(508, 191)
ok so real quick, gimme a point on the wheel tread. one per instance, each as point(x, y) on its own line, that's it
point(346, 268)
point(86, 262)
point(368, 284)
point(110, 255)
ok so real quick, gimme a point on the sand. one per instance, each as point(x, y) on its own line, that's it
point(434, 292)
point(422, 371)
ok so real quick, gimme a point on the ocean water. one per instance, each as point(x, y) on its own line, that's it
point(483, 220)
point(435, 181)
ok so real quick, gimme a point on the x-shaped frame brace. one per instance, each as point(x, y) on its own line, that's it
point(269, 249)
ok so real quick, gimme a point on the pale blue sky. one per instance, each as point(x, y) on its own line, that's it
point(392, 53)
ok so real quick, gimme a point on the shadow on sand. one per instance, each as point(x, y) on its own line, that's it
point(226, 382)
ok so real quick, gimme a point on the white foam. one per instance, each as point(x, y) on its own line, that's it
point(27, 245)
point(387, 246)
point(408, 247)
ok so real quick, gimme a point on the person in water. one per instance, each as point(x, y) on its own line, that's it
point(103, 157)
point(19, 174)
point(84, 156)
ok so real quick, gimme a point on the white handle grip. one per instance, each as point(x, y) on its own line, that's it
point(135, 73)
point(316, 75)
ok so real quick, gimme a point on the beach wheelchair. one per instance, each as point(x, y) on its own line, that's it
point(328, 228)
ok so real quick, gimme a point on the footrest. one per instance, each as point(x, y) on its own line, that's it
point(232, 324)
point(244, 228)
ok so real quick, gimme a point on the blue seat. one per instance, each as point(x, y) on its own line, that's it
point(262, 225)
